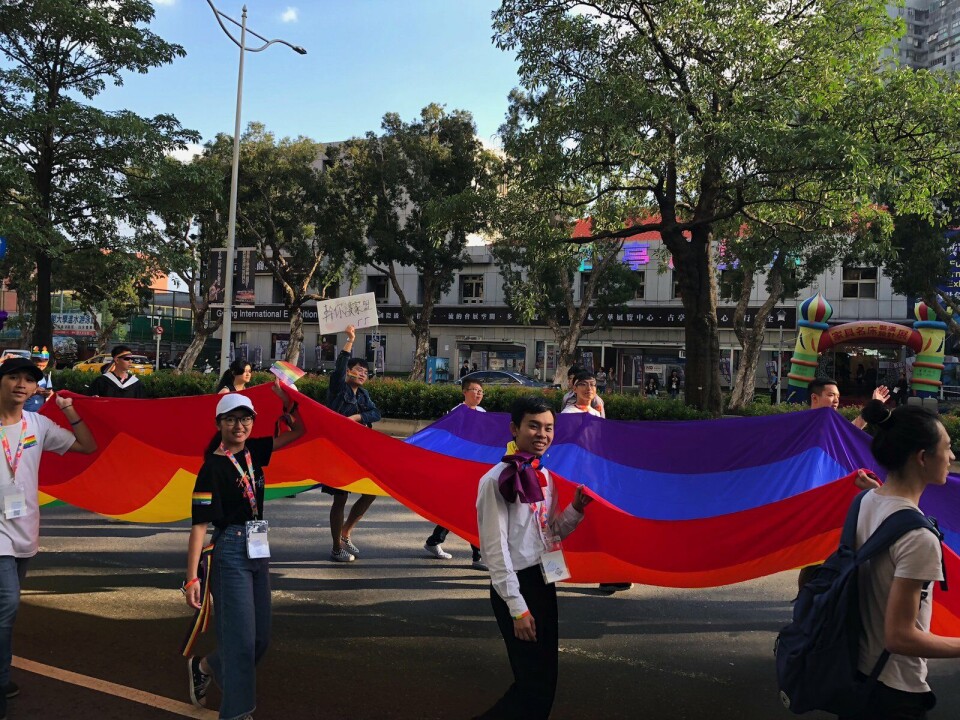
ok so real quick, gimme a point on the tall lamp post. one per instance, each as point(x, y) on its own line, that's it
point(781, 319)
point(226, 329)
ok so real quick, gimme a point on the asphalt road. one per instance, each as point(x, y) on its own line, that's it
point(394, 635)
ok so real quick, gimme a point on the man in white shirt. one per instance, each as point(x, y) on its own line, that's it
point(585, 392)
point(519, 523)
point(23, 437)
point(570, 397)
point(472, 397)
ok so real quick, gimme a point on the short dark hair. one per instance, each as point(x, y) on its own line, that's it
point(817, 385)
point(468, 381)
point(353, 362)
point(583, 375)
point(119, 350)
point(529, 405)
point(901, 432)
point(574, 369)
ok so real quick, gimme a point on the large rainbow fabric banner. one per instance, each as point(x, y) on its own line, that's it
point(680, 504)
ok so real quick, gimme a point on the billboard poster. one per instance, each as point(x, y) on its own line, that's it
point(244, 265)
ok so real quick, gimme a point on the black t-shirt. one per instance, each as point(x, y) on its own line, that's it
point(217, 497)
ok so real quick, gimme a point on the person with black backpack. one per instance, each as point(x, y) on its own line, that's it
point(860, 638)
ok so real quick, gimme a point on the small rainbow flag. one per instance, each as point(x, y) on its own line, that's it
point(29, 441)
point(202, 498)
point(287, 372)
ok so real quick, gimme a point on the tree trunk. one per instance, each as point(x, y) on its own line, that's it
point(192, 352)
point(702, 339)
point(296, 336)
point(421, 339)
point(752, 343)
point(42, 322)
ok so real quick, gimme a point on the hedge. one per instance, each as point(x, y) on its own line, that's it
point(408, 400)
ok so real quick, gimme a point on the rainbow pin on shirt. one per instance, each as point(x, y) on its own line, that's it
point(287, 372)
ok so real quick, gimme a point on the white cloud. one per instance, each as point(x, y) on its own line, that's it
point(187, 154)
point(290, 15)
point(168, 3)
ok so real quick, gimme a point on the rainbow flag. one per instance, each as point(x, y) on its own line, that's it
point(679, 504)
point(287, 372)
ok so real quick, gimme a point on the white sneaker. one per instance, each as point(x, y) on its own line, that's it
point(341, 555)
point(349, 546)
point(437, 552)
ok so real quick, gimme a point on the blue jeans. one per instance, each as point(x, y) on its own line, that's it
point(13, 571)
point(241, 614)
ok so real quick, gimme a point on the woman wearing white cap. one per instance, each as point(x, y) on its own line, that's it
point(229, 494)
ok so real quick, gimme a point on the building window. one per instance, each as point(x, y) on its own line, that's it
point(728, 285)
point(641, 288)
point(860, 283)
point(379, 285)
point(675, 282)
point(584, 281)
point(471, 289)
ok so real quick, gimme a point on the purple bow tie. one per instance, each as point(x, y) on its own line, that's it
point(519, 479)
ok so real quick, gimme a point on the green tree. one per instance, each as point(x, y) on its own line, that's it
point(432, 185)
point(299, 211)
point(540, 265)
point(693, 113)
point(63, 163)
point(189, 203)
point(111, 286)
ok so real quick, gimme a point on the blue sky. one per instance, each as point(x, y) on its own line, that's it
point(364, 58)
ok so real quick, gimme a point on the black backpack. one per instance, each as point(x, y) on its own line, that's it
point(817, 653)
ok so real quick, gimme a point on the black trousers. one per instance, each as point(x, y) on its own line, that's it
point(534, 664)
point(886, 703)
point(439, 536)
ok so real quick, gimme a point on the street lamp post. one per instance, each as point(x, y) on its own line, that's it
point(226, 329)
point(781, 319)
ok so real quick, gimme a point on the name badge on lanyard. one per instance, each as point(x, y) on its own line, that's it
point(258, 546)
point(553, 566)
point(14, 500)
point(256, 530)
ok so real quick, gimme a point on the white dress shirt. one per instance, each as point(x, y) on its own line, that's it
point(510, 537)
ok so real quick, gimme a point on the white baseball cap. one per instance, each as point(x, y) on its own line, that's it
point(234, 401)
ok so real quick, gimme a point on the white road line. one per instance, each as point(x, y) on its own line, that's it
point(109, 688)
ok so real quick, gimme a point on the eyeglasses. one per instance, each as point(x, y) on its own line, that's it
point(233, 421)
point(586, 384)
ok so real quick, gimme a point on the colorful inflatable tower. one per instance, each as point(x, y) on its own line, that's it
point(928, 366)
point(811, 324)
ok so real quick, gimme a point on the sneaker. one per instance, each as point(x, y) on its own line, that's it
point(349, 546)
point(199, 682)
point(11, 689)
point(437, 551)
point(479, 565)
point(341, 555)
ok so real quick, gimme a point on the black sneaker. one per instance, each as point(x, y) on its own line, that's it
point(11, 689)
point(199, 682)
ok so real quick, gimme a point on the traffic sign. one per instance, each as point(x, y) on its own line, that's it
point(158, 330)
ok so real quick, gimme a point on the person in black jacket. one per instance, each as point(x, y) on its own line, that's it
point(347, 396)
point(117, 381)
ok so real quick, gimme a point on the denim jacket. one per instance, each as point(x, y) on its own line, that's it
point(342, 399)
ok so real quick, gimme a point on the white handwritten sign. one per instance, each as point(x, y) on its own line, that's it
point(357, 310)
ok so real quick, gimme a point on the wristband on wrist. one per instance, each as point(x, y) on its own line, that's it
point(187, 584)
point(522, 615)
point(76, 422)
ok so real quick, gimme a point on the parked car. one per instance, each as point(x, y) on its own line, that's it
point(504, 377)
point(139, 365)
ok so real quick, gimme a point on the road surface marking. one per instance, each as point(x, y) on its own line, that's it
point(109, 688)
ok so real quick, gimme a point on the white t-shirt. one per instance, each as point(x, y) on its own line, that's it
point(20, 537)
point(915, 556)
point(574, 409)
point(468, 407)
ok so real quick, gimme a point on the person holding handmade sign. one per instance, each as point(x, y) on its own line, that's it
point(235, 567)
point(347, 396)
point(520, 532)
point(24, 436)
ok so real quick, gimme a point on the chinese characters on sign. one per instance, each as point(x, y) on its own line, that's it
point(357, 310)
point(75, 324)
